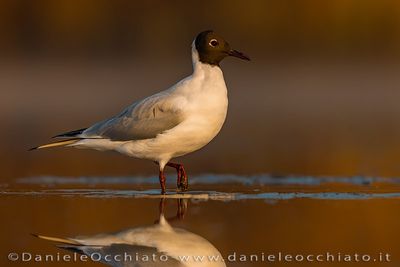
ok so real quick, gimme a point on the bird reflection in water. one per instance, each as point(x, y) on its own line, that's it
point(154, 245)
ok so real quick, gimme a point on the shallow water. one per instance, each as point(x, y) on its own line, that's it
point(240, 216)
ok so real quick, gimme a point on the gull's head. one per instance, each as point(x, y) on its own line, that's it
point(212, 48)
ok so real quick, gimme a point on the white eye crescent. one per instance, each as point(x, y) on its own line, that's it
point(213, 42)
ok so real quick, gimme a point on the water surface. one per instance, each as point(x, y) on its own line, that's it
point(236, 214)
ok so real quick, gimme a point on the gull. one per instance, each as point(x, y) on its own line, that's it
point(148, 246)
point(171, 123)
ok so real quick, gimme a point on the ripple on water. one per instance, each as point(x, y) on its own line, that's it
point(201, 195)
point(257, 187)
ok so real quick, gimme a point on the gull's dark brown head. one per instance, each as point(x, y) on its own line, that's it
point(212, 48)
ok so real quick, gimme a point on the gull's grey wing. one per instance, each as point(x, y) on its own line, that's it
point(142, 120)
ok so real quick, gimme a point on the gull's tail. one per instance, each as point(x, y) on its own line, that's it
point(73, 135)
point(58, 143)
point(63, 241)
point(73, 245)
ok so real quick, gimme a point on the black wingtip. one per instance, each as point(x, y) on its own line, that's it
point(70, 134)
point(59, 135)
point(35, 235)
point(33, 148)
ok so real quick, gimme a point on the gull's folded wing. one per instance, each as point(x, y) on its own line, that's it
point(142, 120)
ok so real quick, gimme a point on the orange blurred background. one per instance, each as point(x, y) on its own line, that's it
point(320, 96)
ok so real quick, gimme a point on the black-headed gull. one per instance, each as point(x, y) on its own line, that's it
point(172, 123)
point(149, 246)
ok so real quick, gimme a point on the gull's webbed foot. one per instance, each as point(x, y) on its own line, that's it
point(182, 178)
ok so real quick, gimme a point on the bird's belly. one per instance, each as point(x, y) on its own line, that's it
point(197, 135)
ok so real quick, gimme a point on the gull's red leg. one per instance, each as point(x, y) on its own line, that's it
point(161, 176)
point(182, 178)
point(182, 208)
point(184, 185)
point(161, 206)
point(180, 213)
point(179, 176)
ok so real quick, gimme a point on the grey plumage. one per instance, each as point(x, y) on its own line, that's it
point(142, 120)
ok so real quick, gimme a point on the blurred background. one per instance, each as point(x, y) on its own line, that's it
point(320, 96)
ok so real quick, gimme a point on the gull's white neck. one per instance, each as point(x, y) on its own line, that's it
point(200, 68)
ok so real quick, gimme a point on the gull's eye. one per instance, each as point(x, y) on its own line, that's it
point(213, 42)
